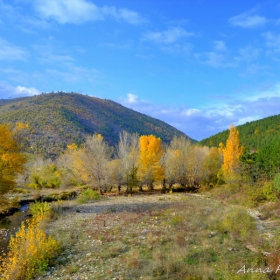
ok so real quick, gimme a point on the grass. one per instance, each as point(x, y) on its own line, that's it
point(188, 237)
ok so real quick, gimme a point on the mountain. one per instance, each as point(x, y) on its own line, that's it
point(253, 135)
point(60, 118)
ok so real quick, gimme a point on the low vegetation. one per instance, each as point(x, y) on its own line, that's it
point(31, 251)
point(171, 236)
point(88, 194)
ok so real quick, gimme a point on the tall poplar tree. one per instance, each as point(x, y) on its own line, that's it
point(232, 153)
point(150, 167)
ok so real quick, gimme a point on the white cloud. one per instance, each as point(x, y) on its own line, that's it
point(24, 91)
point(265, 94)
point(11, 52)
point(218, 57)
point(191, 112)
point(65, 11)
point(8, 91)
point(169, 36)
point(199, 123)
point(122, 14)
point(131, 98)
point(80, 11)
point(246, 20)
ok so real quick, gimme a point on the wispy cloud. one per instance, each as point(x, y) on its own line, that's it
point(52, 53)
point(216, 59)
point(210, 119)
point(248, 20)
point(248, 54)
point(11, 52)
point(80, 11)
point(272, 41)
point(74, 74)
point(169, 36)
point(65, 11)
point(126, 15)
point(220, 46)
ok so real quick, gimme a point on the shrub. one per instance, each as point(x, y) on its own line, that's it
point(47, 177)
point(266, 192)
point(40, 208)
point(276, 182)
point(88, 194)
point(238, 223)
point(30, 252)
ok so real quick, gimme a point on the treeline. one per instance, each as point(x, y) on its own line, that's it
point(136, 161)
point(141, 161)
point(144, 161)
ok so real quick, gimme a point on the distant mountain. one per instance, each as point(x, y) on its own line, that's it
point(58, 119)
point(253, 135)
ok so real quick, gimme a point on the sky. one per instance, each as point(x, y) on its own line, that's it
point(199, 65)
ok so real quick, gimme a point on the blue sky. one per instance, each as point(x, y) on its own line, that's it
point(199, 65)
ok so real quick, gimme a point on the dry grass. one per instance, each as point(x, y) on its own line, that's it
point(174, 236)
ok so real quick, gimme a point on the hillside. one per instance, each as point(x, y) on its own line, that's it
point(253, 135)
point(58, 119)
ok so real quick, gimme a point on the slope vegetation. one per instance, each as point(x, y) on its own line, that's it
point(253, 135)
point(58, 119)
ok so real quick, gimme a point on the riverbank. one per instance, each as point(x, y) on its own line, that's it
point(15, 201)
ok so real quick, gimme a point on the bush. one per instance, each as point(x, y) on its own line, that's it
point(266, 192)
point(40, 208)
point(276, 182)
point(238, 223)
point(30, 252)
point(47, 177)
point(88, 194)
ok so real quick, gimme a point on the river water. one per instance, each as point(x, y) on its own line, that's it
point(10, 224)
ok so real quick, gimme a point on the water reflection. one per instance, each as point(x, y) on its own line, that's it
point(9, 225)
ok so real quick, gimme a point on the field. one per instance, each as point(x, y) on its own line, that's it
point(163, 236)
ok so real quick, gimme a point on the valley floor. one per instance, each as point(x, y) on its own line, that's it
point(163, 236)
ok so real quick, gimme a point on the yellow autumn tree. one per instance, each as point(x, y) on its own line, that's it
point(149, 163)
point(11, 160)
point(231, 153)
point(91, 162)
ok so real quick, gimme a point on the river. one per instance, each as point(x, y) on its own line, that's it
point(10, 224)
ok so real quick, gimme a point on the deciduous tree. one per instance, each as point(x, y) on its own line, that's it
point(150, 167)
point(11, 160)
point(232, 153)
point(127, 153)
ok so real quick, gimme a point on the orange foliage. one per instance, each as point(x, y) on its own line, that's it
point(232, 152)
point(30, 252)
point(11, 160)
point(151, 152)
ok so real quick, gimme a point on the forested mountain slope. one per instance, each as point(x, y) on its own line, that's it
point(58, 119)
point(253, 135)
